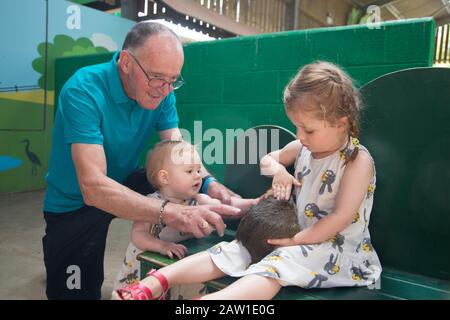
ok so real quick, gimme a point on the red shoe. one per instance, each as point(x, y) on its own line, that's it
point(139, 291)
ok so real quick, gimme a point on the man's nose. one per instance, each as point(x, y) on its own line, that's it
point(166, 88)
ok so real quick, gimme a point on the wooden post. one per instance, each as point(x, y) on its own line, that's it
point(296, 14)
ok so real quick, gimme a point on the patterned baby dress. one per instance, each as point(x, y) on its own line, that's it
point(347, 259)
point(130, 270)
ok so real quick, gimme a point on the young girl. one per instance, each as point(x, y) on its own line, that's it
point(173, 168)
point(333, 188)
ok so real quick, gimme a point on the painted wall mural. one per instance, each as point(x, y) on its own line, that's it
point(62, 46)
point(53, 29)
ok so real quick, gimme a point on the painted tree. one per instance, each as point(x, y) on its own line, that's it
point(62, 46)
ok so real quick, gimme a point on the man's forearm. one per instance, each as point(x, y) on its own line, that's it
point(113, 197)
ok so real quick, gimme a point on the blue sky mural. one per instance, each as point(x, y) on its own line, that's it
point(64, 17)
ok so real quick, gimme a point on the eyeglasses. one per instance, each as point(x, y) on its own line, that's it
point(158, 82)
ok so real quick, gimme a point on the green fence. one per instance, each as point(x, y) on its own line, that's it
point(238, 82)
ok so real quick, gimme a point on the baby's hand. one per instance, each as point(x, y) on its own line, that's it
point(282, 185)
point(244, 204)
point(170, 249)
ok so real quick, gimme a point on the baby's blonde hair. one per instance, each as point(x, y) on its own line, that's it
point(332, 93)
point(159, 157)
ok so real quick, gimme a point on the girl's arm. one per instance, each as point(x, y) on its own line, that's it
point(143, 240)
point(353, 189)
point(280, 159)
point(274, 165)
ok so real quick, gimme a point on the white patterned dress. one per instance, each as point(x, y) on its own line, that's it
point(130, 270)
point(347, 259)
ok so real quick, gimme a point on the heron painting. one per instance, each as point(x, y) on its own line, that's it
point(32, 157)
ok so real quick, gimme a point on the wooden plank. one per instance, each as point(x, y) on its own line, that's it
point(264, 15)
point(445, 57)
point(277, 16)
point(271, 15)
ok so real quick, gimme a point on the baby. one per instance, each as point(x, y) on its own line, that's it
point(174, 170)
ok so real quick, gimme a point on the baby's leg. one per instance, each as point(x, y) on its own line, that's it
point(251, 287)
point(192, 269)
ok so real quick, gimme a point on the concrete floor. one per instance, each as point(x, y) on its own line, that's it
point(22, 227)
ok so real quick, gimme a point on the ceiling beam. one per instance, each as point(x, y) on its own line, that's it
point(379, 3)
point(353, 3)
point(312, 16)
point(443, 20)
point(394, 11)
point(194, 9)
point(446, 4)
point(382, 3)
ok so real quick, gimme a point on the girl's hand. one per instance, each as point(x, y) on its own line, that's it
point(170, 249)
point(286, 242)
point(282, 184)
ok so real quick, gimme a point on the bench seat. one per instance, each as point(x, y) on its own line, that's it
point(395, 285)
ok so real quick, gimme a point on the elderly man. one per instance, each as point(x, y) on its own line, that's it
point(105, 117)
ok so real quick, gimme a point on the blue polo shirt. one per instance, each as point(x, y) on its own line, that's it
point(94, 109)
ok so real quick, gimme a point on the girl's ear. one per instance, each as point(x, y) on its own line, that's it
point(163, 177)
point(343, 123)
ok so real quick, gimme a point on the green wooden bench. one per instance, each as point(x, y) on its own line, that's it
point(406, 126)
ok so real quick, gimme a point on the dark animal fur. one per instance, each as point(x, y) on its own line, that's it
point(270, 219)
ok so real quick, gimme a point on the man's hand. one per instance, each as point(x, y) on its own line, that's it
point(219, 191)
point(198, 220)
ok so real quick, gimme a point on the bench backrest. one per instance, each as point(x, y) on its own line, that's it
point(242, 172)
point(406, 127)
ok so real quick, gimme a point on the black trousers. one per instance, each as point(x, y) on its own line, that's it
point(74, 247)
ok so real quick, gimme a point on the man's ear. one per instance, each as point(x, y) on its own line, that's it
point(163, 177)
point(124, 61)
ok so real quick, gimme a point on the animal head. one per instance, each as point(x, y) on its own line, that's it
point(269, 219)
